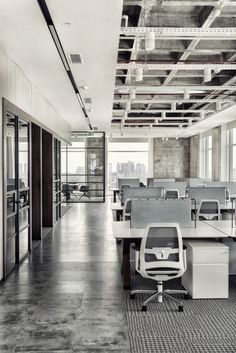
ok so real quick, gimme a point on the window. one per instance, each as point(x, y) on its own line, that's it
point(83, 168)
point(231, 154)
point(127, 159)
point(207, 157)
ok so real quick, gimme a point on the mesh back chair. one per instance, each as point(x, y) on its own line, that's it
point(85, 190)
point(161, 258)
point(172, 194)
point(209, 209)
point(127, 210)
point(67, 191)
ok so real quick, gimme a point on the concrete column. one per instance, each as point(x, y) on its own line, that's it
point(195, 156)
point(216, 154)
point(171, 158)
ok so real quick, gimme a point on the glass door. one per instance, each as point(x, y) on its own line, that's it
point(17, 239)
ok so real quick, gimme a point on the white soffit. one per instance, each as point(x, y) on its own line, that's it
point(25, 38)
point(217, 119)
point(93, 31)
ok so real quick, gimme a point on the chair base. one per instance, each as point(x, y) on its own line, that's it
point(159, 294)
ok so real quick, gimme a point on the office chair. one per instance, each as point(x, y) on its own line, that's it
point(85, 190)
point(127, 210)
point(161, 258)
point(209, 209)
point(172, 194)
point(67, 191)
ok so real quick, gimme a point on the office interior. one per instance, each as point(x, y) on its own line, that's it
point(118, 176)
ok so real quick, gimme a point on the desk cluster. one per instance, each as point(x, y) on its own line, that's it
point(177, 230)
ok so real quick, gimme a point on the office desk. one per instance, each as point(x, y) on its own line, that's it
point(122, 230)
point(223, 226)
point(115, 193)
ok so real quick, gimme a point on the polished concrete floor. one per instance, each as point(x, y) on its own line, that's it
point(67, 296)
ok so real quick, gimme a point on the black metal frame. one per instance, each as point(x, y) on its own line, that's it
point(19, 115)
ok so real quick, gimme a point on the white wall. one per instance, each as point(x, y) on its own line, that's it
point(15, 87)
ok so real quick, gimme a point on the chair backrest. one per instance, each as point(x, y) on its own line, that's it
point(172, 194)
point(67, 187)
point(127, 210)
point(84, 188)
point(209, 209)
point(161, 251)
point(176, 185)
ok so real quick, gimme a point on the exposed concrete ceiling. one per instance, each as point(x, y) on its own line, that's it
point(188, 77)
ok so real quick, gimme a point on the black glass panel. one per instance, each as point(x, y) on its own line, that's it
point(11, 226)
point(10, 152)
point(10, 204)
point(10, 255)
point(23, 154)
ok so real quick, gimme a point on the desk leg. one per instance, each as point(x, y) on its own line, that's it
point(126, 264)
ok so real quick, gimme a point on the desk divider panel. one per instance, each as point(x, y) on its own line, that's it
point(231, 186)
point(144, 212)
point(134, 182)
point(200, 193)
point(141, 193)
point(179, 185)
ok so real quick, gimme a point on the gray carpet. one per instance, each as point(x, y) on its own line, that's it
point(205, 326)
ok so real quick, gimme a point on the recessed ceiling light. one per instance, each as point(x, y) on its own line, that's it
point(84, 88)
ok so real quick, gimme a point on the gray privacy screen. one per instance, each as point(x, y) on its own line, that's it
point(127, 181)
point(150, 192)
point(144, 212)
point(207, 193)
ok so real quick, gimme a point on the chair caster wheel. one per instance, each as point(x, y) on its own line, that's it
point(132, 296)
point(144, 308)
point(187, 296)
point(180, 308)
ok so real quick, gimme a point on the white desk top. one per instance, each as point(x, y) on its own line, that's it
point(224, 226)
point(115, 189)
point(116, 206)
point(122, 230)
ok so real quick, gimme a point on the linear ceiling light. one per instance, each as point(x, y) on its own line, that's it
point(150, 41)
point(207, 75)
point(59, 46)
point(48, 19)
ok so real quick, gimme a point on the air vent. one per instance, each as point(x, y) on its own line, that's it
point(75, 59)
point(88, 100)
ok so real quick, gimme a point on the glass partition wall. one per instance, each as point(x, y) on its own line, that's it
point(83, 168)
point(17, 217)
